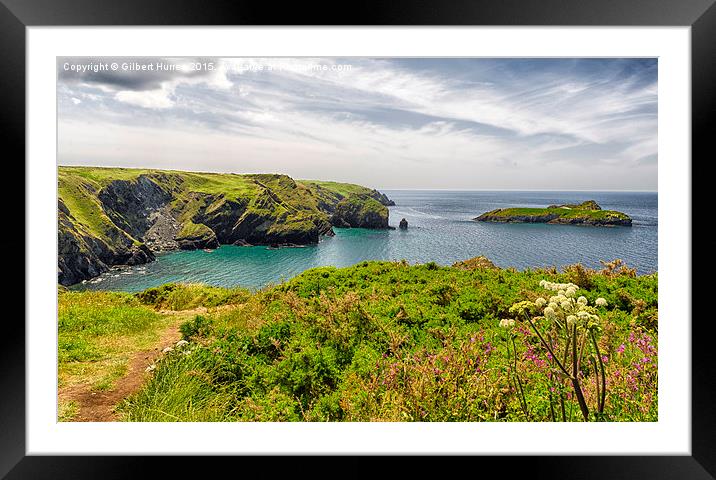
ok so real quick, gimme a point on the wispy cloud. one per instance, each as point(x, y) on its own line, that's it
point(431, 123)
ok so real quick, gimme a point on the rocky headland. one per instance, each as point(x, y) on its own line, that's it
point(113, 216)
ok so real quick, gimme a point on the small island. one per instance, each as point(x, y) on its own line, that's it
point(586, 213)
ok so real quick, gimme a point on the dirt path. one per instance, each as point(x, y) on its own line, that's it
point(98, 406)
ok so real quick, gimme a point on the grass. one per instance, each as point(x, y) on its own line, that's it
point(66, 411)
point(193, 230)
point(173, 296)
point(561, 212)
point(388, 341)
point(344, 189)
point(97, 332)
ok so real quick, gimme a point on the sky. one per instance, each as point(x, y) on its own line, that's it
point(390, 123)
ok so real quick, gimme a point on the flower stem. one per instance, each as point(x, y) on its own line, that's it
point(575, 379)
point(603, 397)
point(546, 345)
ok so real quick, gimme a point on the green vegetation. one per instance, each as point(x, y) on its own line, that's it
point(388, 341)
point(562, 212)
point(344, 189)
point(96, 332)
point(587, 212)
point(186, 296)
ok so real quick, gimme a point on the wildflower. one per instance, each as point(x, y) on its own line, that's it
point(582, 300)
point(600, 302)
point(549, 312)
point(552, 305)
point(521, 307)
point(540, 302)
point(571, 320)
point(507, 323)
point(621, 348)
point(571, 291)
point(566, 305)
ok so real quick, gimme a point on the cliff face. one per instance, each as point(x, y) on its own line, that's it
point(360, 211)
point(112, 217)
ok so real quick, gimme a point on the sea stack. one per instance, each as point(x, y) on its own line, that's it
point(403, 224)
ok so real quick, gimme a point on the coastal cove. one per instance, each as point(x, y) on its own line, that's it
point(440, 229)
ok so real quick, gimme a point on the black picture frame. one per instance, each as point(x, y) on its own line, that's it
point(16, 15)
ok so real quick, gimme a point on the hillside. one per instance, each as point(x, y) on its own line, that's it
point(381, 341)
point(585, 213)
point(115, 216)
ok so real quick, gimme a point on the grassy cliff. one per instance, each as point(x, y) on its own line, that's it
point(383, 341)
point(110, 216)
point(586, 213)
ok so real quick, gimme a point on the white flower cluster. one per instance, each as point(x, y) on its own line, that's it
point(507, 323)
point(563, 288)
point(565, 308)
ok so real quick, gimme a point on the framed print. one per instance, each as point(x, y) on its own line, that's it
point(427, 231)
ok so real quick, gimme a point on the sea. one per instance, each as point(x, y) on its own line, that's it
point(440, 229)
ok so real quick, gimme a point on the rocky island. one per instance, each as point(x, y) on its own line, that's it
point(119, 216)
point(585, 213)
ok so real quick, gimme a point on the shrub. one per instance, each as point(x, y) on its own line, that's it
point(199, 326)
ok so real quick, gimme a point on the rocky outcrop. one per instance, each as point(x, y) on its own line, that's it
point(382, 198)
point(82, 255)
point(586, 213)
point(403, 224)
point(360, 211)
point(123, 221)
point(194, 236)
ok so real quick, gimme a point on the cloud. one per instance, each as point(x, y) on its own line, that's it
point(440, 123)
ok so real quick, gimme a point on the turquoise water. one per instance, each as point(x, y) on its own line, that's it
point(440, 230)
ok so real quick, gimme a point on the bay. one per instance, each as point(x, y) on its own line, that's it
point(440, 229)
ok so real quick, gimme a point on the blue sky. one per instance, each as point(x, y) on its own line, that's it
point(560, 124)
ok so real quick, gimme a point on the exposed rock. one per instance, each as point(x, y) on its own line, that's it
point(82, 256)
point(403, 224)
point(130, 203)
point(161, 236)
point(382, 198)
